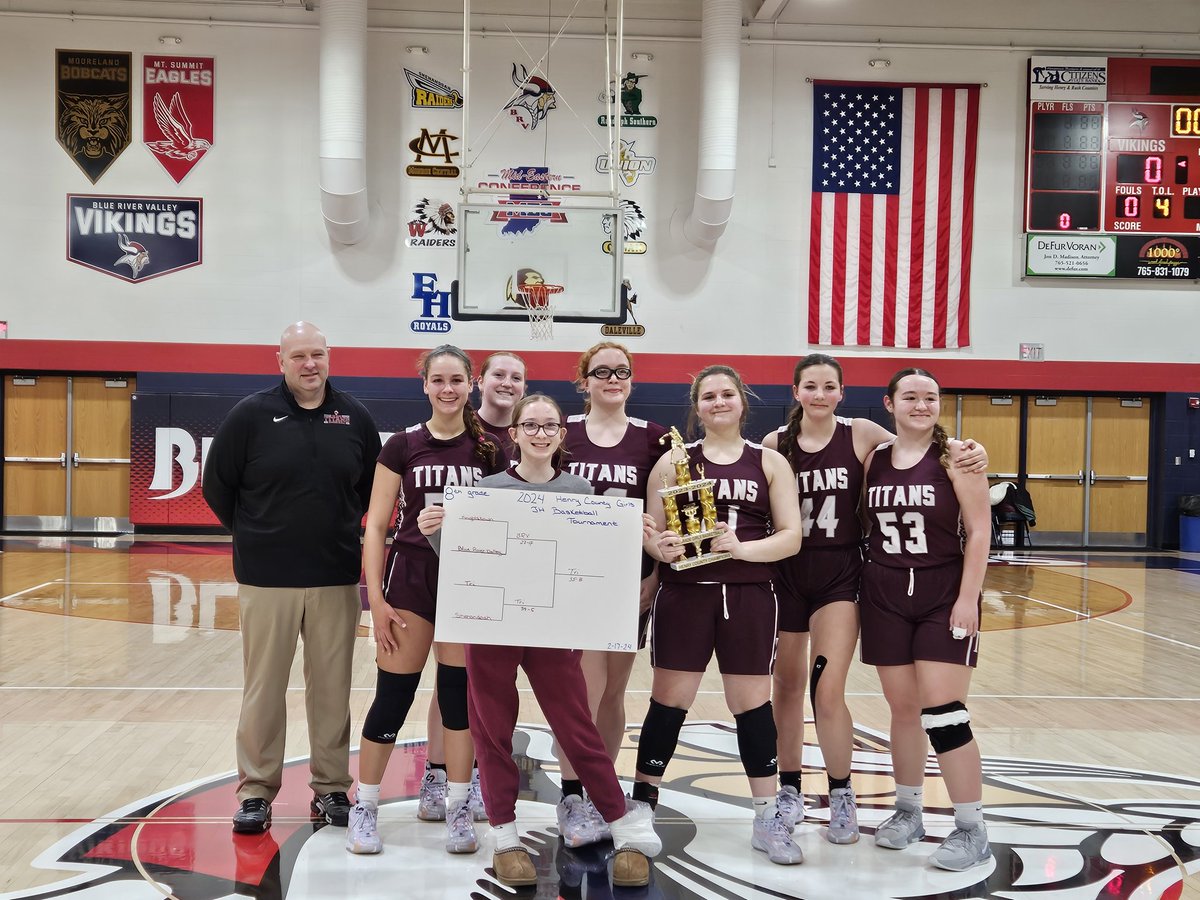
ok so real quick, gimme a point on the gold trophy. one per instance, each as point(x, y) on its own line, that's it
point(701, 518)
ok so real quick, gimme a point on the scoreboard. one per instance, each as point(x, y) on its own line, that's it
point(1112, 176)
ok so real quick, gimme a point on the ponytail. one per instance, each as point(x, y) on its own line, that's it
point(485, 449)
point(943, 444)
point(791, 434)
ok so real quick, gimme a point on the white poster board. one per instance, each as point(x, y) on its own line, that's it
point(539, 569)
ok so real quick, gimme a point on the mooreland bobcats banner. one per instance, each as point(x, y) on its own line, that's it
point(135, 238)
point(170, 436)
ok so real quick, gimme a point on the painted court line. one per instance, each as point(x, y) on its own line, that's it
point(1086, 617)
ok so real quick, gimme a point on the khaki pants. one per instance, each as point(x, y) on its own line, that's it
point(271, 621)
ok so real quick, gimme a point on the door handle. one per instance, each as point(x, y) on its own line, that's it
point(61, 459)
point(77, 459)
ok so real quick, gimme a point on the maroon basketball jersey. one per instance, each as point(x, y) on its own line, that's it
point(427, 465)
point(830, 486)
point(500, 431)
point(914, 512)
point(743, 500)
point(618, 471)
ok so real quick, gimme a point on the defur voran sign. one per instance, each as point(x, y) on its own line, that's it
point(135, 238)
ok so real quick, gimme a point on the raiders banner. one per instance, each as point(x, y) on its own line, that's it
point(93, 93)
point(134, 238)
point(177, 110)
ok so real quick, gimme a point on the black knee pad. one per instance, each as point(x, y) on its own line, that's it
point(818, 667)
point(660, 735)
point(394, 695)
point(757, 741)
point(948, 726)
point(452, 696)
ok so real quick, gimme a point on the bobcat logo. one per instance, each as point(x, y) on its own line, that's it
point(94, 127)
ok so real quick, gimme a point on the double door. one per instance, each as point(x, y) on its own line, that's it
point(1084, 460)
point(66, 453)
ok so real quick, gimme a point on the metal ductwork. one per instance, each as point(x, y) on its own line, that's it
point(720, 72)
point(343, 138)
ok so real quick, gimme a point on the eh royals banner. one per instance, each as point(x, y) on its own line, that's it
point(134, 238)
point(177, 110)
point(92, 107)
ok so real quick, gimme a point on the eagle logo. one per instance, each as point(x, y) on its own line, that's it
point(179, 141)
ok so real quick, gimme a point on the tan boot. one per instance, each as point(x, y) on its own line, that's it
point(631, 868)
point(515, 868)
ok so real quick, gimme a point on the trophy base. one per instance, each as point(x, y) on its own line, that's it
point(703, 560)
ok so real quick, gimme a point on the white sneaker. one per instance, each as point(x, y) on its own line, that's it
point(843, 817)
point(963, 849)
point(460, 830)
point(904, 827)
point(789, 803)
point(575, 822)
point(362, 834)
point(475, 799)
point(635, 829)
point(431, 803)
point(773, 836)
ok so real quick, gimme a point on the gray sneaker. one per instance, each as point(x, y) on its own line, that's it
point(903, 828)
point(431, 802)
point(362, 835)
point(460, 830)
point(963, 849)
point(475, 799)
point(843, 817)
point(773, 837)
point(602, 828)
point(790, 804)
point(575, 822)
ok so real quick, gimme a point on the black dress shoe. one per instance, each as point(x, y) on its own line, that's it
point(333, 807)
point(254, 816)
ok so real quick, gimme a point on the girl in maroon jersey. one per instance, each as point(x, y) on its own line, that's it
point(726, 607)
point(414, 467)
point(920, 610)
point(615, 453)
point(501, 385)
point(818, 587)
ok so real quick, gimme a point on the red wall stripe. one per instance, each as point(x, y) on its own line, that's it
point(128, 357)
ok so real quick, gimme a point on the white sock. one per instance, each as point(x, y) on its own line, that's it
point(764, 807)
point(368, 795)
point(968, 815)
point(456, 793)
point(911, 797)
point(506, 836)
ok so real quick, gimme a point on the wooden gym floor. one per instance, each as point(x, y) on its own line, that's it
point(120, 677)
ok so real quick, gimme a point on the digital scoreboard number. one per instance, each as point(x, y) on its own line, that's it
point(1113, 149)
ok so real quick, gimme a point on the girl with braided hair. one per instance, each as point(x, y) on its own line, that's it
point(450, 448)
point(921, 602)
point(818, 587)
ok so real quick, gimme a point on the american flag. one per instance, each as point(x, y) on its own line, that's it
point(893, 195)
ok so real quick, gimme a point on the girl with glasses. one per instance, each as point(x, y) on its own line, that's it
point(557, 683)
point(451, 447)
point(726, 607)
point(818, 587)
point(615, 453)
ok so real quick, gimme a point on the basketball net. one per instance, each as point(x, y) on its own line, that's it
point(536, 300)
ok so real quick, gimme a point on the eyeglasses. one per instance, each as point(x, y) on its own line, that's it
point(532, 428)
point(623, 373)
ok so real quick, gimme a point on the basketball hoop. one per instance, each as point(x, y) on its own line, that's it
point(536, 300)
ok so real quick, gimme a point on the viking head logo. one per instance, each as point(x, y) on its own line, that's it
point(93, 126)
point(136, 256)
point(534, 102)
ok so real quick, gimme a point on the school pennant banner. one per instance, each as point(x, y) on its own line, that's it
point(177, 110)
point(93, 91)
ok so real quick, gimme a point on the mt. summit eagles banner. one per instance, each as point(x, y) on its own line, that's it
point(177, 110)
point(92, 107)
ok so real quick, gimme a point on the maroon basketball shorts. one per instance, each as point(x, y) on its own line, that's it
point(814, 578)
point(410, 582)
point(692, 621)
point(905, 616)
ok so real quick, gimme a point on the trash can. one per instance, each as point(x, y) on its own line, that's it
point(1189, 523)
